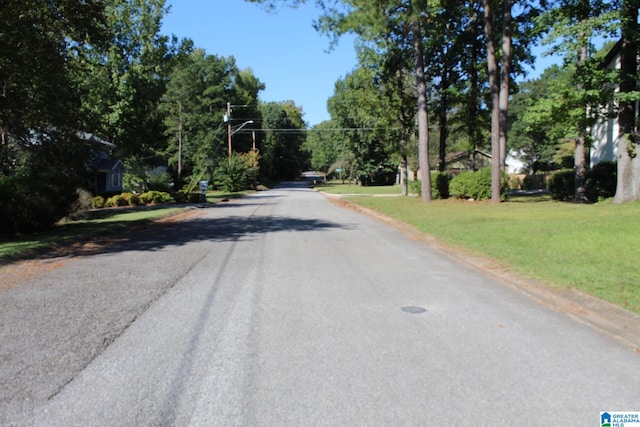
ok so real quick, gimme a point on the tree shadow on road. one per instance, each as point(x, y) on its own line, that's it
point(156, 236)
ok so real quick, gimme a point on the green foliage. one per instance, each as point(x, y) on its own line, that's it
point(324, 148)
point(132, 199)
point(440, 182)
point(98, 202)
point(353, 107)
point(475, 185)
point(29, 205)
point(282, 157)
point(440, 185)
point(194, 106)
point(600, 183)
point(42, 162)
point(561, 185)
point(115, 201)
point(155, 197)
point(234, 174)
point(126, 78)
point(184, 196)
point(159, 180)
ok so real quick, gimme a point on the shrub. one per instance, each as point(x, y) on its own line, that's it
point(157, 197)
point(235, 174)
point(476, 185)
point(180, 196)
point(97, 202)
point(601, 181)
point(80, 207)
point(31, 202)
point(117, 200)
point(159, 180)
point(41, 171)
point(534, 182)
point(415, 187)
point(439, 185)
point(187, 197)
point(561, 185)
point(130, 199)
point(134, 200)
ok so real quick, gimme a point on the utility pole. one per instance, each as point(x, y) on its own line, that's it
point(179, 139)
point(229, 128)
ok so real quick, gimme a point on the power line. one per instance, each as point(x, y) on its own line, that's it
point(289, 130)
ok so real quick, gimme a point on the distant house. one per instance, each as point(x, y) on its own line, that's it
point(478, 159)
point(108, 172)
point(605, 134)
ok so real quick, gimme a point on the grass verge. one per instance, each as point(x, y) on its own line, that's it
point(592, 248)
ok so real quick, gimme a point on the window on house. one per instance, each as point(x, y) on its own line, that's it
point(115, 179)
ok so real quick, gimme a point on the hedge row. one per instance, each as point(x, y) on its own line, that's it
point(131, 199)
point(476, 185)
point(439, 185)
point(600, 183)
point(466, 185)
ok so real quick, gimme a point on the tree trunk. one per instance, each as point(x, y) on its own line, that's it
point(628, 185)
point(579, 157)
point(423, 116)
point(473, 109)
point(495, 102)
point(442, 121)
point(504, 81)
point(404, 176)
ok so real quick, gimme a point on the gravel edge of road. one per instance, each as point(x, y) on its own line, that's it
point(610, 319)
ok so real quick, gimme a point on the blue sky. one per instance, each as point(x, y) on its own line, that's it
point(282, 48)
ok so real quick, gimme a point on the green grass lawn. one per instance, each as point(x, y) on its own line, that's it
point(593, 248)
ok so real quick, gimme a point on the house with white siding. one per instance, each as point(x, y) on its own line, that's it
point(605, 134)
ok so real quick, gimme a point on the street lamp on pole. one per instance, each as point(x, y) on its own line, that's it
point(234, 131)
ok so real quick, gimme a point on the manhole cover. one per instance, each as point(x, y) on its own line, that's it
point(413, 309)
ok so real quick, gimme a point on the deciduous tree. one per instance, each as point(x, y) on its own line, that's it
point(42, 161)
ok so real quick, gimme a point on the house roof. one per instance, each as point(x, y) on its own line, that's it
point(463, 155)
point(108, 164)
point(92, 138)
point(613, 53)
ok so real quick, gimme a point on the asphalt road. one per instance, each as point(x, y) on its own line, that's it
point(284, 309)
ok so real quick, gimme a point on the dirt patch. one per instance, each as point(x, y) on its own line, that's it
point(42, 261)
point(24, 270)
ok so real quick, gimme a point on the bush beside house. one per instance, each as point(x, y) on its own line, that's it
point(600, 183)
point(475, 185)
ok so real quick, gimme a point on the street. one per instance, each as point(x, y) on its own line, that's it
point(283, 309)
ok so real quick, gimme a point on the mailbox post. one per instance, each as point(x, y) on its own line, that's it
point(204, 185)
